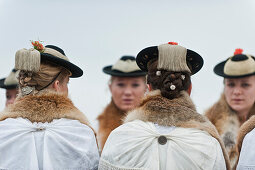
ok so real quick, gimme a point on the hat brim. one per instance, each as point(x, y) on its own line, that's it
point(194, 59)
point(219, 70)
point(75, 70)
point(108, 70)
point(2, 85)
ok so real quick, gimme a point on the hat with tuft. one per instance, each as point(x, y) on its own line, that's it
point(30, 59)
point(172, 57)
point(125, 67)
point(10, 82)
point(237, 66)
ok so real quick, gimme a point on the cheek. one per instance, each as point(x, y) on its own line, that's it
point(250, 95)
point(139, 93)
point(64, 88)
point(7, 103)
point(227, 94)
point(116, 94)
point(10, 100)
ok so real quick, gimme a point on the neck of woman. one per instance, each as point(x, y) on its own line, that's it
point(243, 116)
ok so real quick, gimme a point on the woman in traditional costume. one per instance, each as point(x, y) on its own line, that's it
point(165, 131)
point(236, 104)
point(43, 130)
point(127, 86)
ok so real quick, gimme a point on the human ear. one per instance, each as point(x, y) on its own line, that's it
point(56, 85)
point(149, 87)
point(189, 89)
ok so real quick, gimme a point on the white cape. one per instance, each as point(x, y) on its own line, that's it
point(135, 145)
point(63, 144)
point(247, 155)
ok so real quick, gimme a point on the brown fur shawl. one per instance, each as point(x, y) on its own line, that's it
point(227, 123)
point(179, 112)
point(44, 107)
point(110, 119)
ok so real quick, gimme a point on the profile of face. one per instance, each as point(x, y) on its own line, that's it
point(127, 92)
point(240, 93)
point(11, 95)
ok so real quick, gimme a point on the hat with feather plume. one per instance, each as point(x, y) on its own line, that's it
point(237, 66)
point(171, 57)
point(30, 59)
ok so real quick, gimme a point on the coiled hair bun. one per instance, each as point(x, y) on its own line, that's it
point(168, 82)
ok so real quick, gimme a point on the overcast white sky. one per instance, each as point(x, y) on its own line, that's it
point(94, 34)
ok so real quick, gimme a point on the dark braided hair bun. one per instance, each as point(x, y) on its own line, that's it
point(168, 82)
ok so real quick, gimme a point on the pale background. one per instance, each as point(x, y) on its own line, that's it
point(96, 33)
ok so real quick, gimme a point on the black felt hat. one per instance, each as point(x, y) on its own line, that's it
point(237, 66)
point(193, 59)
point(9, 82)
point(75, 70)
point(30, 59)
point(125, 67)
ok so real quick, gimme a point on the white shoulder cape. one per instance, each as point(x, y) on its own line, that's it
point(134, 145)
point(62, 144)
point(247, 155)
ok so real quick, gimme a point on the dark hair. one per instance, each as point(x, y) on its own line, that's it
point(166, 79)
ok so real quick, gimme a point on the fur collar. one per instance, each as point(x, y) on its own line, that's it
point(158, 109)
point(110, 119)
point(227, 123)
point(179, 112)
point(220, 113)
point(43, 107)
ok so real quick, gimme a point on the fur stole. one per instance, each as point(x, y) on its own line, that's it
point(44, 107)
point(179, 112)
point(227, 123)
point(110, 119)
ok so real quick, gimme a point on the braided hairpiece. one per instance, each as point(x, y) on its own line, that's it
point(24, 78)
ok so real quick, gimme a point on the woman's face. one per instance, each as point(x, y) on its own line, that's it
point(11, 95)
point(127, 91)
point(240, 93)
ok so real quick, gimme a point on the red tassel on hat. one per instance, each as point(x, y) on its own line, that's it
point(173, 43)
point(238, 51)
